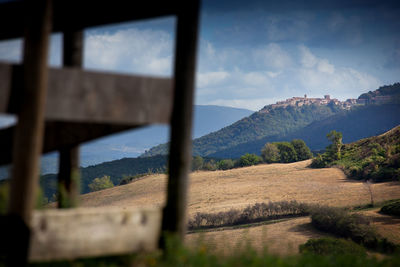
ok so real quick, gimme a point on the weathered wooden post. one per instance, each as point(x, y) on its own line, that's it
point(174, 213)
point(69, 173)
point(28, 138)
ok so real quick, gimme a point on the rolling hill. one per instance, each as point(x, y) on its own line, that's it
point(207, 118)
point(356, 124)
point(310, 122)
point(276, 122)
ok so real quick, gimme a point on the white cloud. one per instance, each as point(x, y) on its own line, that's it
point(272, 56)
point(325, 66)
point(130, 50)
point(307, 60)
point(211, 78)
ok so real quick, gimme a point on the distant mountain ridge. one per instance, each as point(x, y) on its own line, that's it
point(295, 117)
point(207, 118)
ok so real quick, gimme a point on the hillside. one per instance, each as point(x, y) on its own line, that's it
point(358, 123)
point(222, 190)
point(303, 118)
point(376, 158)
point(279, 121)
point(217, 191)
point(207, 118)
point(116, 169)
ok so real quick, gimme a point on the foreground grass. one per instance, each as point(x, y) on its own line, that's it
point(178, 255)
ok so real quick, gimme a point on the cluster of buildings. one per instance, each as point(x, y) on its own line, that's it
point(300, 101)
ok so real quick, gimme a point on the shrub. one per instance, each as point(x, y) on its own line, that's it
point(287, 152)
point(302, 150)
point(197, 163)
point(101, 183)
point(319, 161)
point(225, 164)
point(332, 246)
point(391, 209)
point(270, 153)
point(354, 226)
point(255, 213)
point(249, 160)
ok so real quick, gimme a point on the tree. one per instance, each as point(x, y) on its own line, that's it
point(334, 150)
point(286, 152)
point(197, 163)
point(225, 164)
point(270, 153)
point(101, 183)
point(249, 160)
point(302, 150)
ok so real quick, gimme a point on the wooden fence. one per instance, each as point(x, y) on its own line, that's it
point(59, 108)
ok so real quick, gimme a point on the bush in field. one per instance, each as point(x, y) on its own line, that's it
point(255, 213)
point(332, 246)
point(225, 164)
point(270, 153)
point(302, 150)
point(287, 152)
point(197, 163)
point(391, 209)
point(101, 183)
point(249, 160)
point(354, 226)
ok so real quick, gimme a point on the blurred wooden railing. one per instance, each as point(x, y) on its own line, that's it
point(59, 108)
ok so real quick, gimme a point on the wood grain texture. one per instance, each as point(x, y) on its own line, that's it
point(87, 232)
point(88, 96)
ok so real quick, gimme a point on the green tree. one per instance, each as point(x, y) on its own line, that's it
point(225, 164)
point(286, 152)
point(101, 183)
point(302, 150)
point(334, 150)
point(197, 163)
point(270, 153)
point(249, 160)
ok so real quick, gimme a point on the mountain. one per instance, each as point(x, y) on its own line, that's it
point(360, 122)
point(132, 143)
point(278, 121)
point(305, 118)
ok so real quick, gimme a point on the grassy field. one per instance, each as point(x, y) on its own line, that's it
point(222, 190)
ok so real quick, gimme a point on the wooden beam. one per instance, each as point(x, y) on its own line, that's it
point(174, 214)
point(60, 135)
point(88, 96)
point(29, 131)
point(77, 15)
point(69, 172)
point(89, 232)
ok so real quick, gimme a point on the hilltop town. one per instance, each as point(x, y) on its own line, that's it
point(300, 101)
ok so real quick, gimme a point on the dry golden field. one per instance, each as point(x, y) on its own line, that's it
point(222, 190)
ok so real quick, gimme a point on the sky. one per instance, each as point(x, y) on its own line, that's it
point(253, 53)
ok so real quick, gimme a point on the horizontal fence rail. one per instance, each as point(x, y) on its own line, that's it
point(89, 232)
point(88, 96)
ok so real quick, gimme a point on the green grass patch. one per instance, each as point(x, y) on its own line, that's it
point(332, 246)
point(354, 226)
point(391, 208)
